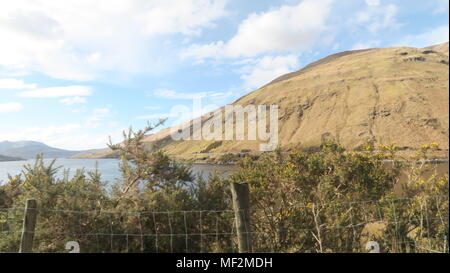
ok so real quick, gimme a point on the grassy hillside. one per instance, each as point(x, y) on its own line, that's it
point(386, 95)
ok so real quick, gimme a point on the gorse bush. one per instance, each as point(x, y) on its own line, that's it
point(322, 184)
point(331, 200)
point(103, 219)
point(57, 199)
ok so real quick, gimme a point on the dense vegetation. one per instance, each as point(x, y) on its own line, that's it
point(331, 200)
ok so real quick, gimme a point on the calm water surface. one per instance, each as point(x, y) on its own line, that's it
point(107, 167)
point(110, 171)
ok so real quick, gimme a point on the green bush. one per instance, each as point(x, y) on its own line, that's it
point(331, 200)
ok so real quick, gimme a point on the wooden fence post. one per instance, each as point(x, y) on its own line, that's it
point(241, 205)
point(29, 225)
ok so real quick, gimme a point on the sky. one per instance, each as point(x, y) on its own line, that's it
point(74, 72)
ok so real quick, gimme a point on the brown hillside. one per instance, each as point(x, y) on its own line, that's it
point(387, 95)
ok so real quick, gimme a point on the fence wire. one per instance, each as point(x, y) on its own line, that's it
point(396, 225)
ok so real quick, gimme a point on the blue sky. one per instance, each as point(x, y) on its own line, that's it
point(73, 73)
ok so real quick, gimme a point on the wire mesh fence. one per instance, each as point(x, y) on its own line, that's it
point(395, 225)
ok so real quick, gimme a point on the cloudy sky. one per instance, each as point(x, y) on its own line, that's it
point(74, 72)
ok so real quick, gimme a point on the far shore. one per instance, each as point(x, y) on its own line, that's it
point(10, 158)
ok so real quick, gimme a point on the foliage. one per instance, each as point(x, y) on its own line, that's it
point(331, 200)
point(317, 201)
point(86, 210)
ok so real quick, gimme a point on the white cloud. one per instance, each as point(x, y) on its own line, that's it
point(98, 114)
point(441, 6)
point(12, 72)
point(266, 69)
point(10, 107)
point(79, 110)
point(152, 108)
point(212, 50)
point(102, 112)
point(91, 133)
point(158, 116)
point(367, 44)
point(73, 100)
point(61, 91)
point(388, 20)
point(15, 84)
point(171, 94)
point(373, 2)
point(71, 136)
point(81, 39)
point(285, 29)
point(47, 131)
point(187, 17)
point(431, 37)
point(376, 17)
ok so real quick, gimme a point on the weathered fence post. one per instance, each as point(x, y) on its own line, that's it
point(241, 206)
point(29, 224)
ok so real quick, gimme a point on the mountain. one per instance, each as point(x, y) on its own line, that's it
point(381, 95)
point(29, 149)
point(9, 158)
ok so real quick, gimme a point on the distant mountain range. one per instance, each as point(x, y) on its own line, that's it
point(29, 149)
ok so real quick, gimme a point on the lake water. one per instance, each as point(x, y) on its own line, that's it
point(110, 171)
point(107, 167)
